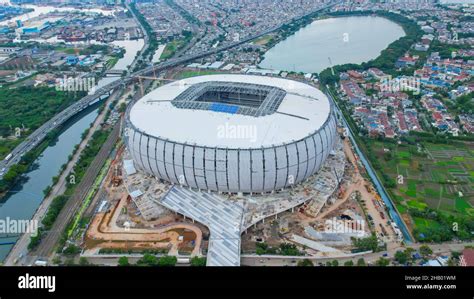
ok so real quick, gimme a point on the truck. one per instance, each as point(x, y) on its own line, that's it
point(8, 157)
point(41, 263)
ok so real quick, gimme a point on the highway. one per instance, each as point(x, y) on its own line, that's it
point(370, 258)
point(39, 134)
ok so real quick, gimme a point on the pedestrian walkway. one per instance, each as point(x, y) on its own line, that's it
point(222, 217)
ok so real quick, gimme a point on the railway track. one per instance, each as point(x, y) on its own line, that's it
point(48, 242)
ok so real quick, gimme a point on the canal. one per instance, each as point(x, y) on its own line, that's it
point(375, 179)
point(26, 196)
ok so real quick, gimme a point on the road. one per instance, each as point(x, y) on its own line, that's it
point(394, 215)
point(39, 134)
point(48, 242)
point(21, 246)
point(370, 258)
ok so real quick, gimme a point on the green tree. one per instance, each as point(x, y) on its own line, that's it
point(361, 262)
point(366, 244)
point(57, 260)
point(198, 261)
point(335, 263)
point(425, 251)
point(401, 257)
point(167, 261)
point(305, 263)
point(349, 263)
point(261, 248)
point(72, 250)
point(83, 261)
point(123, 261)
point(148, 260)
point(382, 262)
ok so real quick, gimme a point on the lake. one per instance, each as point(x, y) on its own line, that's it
point(339, 40)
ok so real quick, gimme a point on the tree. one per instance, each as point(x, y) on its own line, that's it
point(167, 261)
point(425, 251)
point(123, 261)
point(83, 261)
point(69, 262)
point(305, 263)
point(401, 257)
point(148, 260)
point(349, 263)
point(197, 261)
point(361, 262)
point(57, 260)
point(335, 263)
point(382, 262)
point(261, 248)
point(289, 249)
point(72, 250)
point(366, 244)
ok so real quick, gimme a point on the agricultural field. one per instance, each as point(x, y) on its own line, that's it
point(435, 176)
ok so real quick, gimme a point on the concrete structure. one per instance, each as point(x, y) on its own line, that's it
point(222, 217)
point(232, 133)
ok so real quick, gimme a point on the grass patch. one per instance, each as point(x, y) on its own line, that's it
point(417, 204)
point(462, 205)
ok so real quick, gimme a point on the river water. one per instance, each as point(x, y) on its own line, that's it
point(339, 40)
point(26, 196)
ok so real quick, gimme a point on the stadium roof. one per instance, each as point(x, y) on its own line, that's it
point(303, 110)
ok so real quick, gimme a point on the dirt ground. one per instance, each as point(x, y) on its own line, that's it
point(276, 231)
point(170, 233)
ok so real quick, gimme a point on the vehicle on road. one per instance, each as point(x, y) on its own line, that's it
point(41, 263)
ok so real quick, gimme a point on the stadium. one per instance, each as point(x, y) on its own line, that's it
point(231, 133)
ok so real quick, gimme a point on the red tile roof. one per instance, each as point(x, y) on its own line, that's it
point(468, 257)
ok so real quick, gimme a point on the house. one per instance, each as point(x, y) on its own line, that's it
point(467, 258)
point(406, 61)
point(421, 47)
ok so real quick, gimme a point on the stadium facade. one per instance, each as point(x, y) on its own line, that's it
point(232, 133)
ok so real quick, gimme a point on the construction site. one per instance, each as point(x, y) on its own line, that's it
point(134, 212)
point(126, 223)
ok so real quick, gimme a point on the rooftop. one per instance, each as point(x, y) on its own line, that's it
point(204, 110)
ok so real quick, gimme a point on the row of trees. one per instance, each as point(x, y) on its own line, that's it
point(284, 249)
point(152, 260)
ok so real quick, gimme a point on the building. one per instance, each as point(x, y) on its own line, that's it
point(467, 258)
point(232, 133)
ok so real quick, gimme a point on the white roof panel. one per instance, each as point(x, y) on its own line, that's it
point(303, 110)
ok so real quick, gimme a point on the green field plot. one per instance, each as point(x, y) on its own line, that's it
point(422, 223)
point(432, 175)
point(416, 204)
point(462, 205)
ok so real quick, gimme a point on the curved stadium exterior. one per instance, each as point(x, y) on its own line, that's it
point(232, 133)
